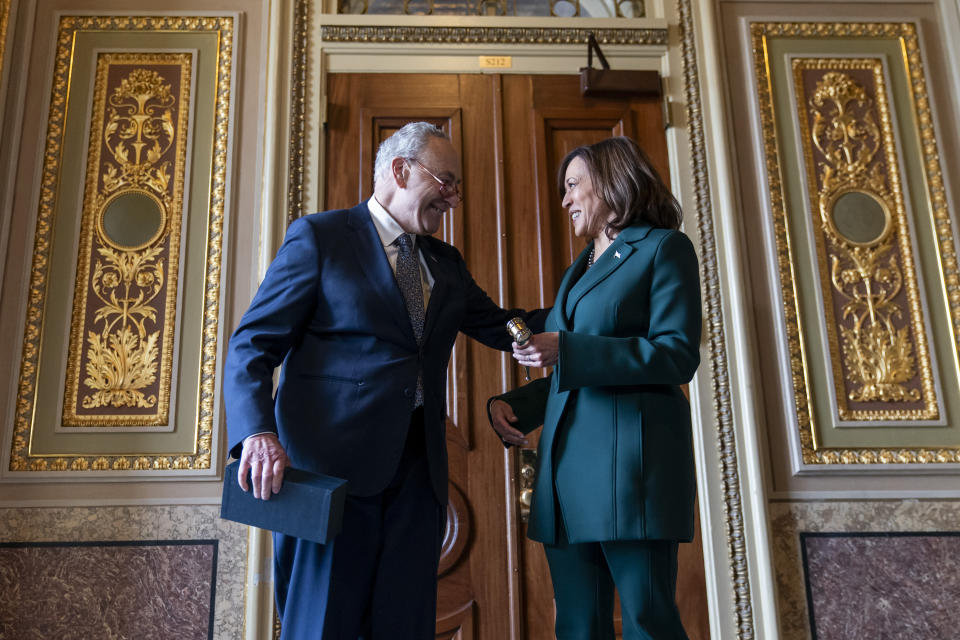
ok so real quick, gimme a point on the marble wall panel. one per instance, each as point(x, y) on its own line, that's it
point(103, 589)
point(789, 520)
point(882, 585)
point(115, 566)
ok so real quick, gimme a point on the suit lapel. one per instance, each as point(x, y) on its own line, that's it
point(608, 262)
point(441, 284)
point(375, 266)
point(560, 303)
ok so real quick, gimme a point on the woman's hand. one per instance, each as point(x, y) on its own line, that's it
point(501, 415)
point(539, 351)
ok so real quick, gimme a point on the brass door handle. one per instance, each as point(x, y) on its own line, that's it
point(526, 473)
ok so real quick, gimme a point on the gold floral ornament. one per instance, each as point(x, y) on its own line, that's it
point(864, 271)
point(847, 135)
point(128, 276)
point(122, 359)
point(878, 341)
point(141, 120)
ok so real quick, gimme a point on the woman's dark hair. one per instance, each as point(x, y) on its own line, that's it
point(624, 178)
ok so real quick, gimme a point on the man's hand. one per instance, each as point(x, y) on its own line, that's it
point(539, 351)
point(501, 415)
point(266, 460)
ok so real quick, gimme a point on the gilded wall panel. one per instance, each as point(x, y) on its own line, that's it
point(120, 343)
point(864, 246)
point(119, 366)
point(877, 336)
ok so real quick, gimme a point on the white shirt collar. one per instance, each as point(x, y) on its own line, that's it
point(387, 228)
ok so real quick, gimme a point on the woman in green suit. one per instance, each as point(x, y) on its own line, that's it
point(615, 487)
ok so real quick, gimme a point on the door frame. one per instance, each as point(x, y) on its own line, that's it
point(305, 44)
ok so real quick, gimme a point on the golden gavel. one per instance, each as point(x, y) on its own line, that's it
point(521, 334)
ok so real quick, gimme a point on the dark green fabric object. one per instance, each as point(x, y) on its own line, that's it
point(616, 452)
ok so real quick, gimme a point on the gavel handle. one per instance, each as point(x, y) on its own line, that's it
point(526, 370)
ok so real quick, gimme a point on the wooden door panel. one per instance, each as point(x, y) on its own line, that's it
point(556, 135)
point(353, 136)
point(364, 110)
point(457, 625)
point(378, 124)
point(512, 132)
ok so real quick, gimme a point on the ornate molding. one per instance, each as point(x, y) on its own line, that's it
point(906, 35)
point(21, 456)
point(120, 368)
point(497, 35)
point(874, 317)
point(716, 337)
point(298, 106)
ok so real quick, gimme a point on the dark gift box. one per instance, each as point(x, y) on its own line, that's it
point(309, 505)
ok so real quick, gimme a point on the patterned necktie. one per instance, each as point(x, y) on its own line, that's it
point(408, 277)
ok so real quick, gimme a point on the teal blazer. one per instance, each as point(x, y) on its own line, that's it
point(616, 453)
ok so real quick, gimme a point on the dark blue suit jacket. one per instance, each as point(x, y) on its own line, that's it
point(330, 310)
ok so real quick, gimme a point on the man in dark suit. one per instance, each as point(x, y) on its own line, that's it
point(362, 306)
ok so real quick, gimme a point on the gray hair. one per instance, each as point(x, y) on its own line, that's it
point(407, 142)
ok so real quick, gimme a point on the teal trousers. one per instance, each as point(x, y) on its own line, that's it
point(644, 573)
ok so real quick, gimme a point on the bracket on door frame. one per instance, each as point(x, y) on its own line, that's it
point(607, 83)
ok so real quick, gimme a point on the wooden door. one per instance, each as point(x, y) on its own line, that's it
point(511, 131)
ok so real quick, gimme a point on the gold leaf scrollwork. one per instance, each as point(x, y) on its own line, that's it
point(138, 133)
point(848, 137)
point(32, 401)
point(877, 353)
point(122, 357)
point(816, 447)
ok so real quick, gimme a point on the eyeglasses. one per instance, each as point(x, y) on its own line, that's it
point(448, 189)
